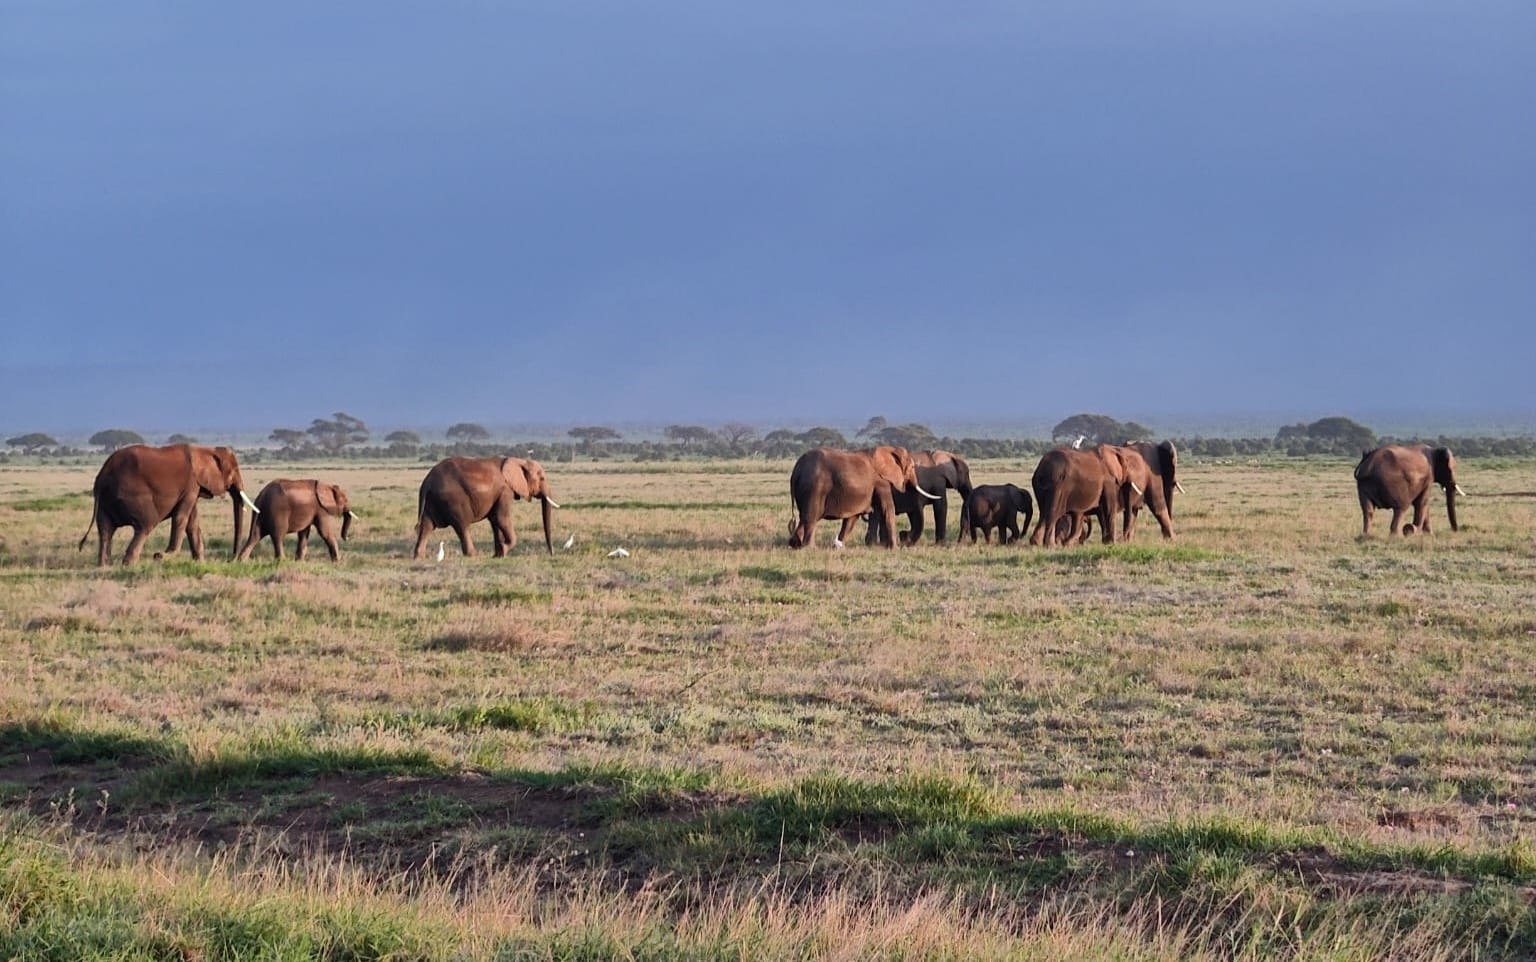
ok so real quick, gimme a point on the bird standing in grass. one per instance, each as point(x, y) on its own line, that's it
point(442, 547)
point(569, 541)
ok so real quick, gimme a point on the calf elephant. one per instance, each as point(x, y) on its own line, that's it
point(1398, 475)
point(297, 506)
point(140, 486)
point(937, 471)
point(996, 506)
point(1069, 482)
point(459, 492)
point(828, 484)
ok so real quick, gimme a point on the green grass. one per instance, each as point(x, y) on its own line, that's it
point(1265, 739)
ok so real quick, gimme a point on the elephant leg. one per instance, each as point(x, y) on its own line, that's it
point(1128, 521)
point(847, 528)
point(1107, 521)
point(804, 532)
point(302, 547)
point(873, 532)
point(250, 540)
point(1366, 510)
point(135, 545)
point(465, 544)
point(1397, 519)
point(104, 532)
point(424, 527)
point(195, 536)
point(886, 507)
point(501, 530)
point(915, 525)
point(328, 535)
point(1421, 513)
point(940, 519)
point(179, 520)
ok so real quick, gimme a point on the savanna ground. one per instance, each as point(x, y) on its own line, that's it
point(1267, 739)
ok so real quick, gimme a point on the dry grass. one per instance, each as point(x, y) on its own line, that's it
point(1267, 666)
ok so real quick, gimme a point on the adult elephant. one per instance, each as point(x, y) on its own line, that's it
point(459, 492)
point(140, 486)
point(1398, 475)
point(1144, 484)
point(289, 507)
point(996, 506)
point(938, 472)
point(1070, 482)
point(830, 484)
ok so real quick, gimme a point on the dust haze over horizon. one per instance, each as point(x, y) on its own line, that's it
point(688, 212)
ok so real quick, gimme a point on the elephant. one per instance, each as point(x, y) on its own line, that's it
point(1145, 486)
point(937, 471)
point(830, 484)
point(1070, 482)
point(459, 492)
point(297, 506)
point(1398, 475)
point(140, 486)
point(996, 506)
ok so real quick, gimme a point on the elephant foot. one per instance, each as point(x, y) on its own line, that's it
point(158, 556)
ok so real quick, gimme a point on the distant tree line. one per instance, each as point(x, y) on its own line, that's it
point(345, 436)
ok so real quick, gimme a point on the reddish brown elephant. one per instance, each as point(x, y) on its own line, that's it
point(289, 507)
point(1142, 486)
point(1398, 475)
point(459, 492)
point(1073, 483)
point(937, 472)
point(140, 486)
point(829, 484)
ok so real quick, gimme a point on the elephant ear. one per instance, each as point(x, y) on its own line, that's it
point(1444, 466)
point(327, 495)
point(533, 474)
point(892, 464)
point(211, 468)
point(517, 478)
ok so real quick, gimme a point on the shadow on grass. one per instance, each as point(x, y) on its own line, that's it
point(393, 810)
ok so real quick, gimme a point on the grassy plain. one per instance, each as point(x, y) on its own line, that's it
point(1267, 739)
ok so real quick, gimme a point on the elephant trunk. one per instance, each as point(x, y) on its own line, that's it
point(1451, 491)
point(546, 508)
point(238, 497)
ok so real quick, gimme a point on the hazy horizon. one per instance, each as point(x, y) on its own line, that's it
point(686, 212)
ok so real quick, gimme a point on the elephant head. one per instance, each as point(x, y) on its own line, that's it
point(1443, 465)
point(216, 472)
point(895, 466)
point(526, 479)
point(333, 501)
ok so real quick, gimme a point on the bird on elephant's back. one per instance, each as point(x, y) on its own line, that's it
point(139, 486)
point(832, 484)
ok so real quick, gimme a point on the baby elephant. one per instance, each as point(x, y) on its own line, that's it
point(996, 506)
point(289, 506)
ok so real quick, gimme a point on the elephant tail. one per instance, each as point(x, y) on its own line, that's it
point(85, 537)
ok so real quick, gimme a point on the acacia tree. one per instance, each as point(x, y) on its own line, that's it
point(872, 427)
point(32, 443)
point(1098, 429)
point(292, 439)
point(737, 433)
point(341, 430)
point(913, 437)
point(589, 436)
point(181, 439)
point(114, 438)
point(688, 434)
point(822, 437)
point(468, 431)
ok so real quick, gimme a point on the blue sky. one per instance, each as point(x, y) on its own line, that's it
point(696, 211)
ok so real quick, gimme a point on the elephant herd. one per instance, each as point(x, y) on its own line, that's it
point(140, 486)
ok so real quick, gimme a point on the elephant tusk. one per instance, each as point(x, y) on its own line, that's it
point(1133, 486)
point(249, 503)
point(352, 514)
point(1459, 491)
point(1178, 487)
point(930, 497)
point(551, 501)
